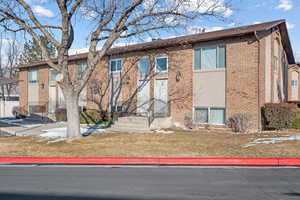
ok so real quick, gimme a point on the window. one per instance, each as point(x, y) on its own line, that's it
point(294, 83)
point(116, 65)
point(81, 67)
point(210, 57)
point(144, 66)
point(116, 108)
point(201, 115)
point(53, 74)
point(161, 64)
point(217, 116)
point(214, 116)
point(33, 76)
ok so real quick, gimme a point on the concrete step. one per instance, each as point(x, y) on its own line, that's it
point(131, 124)
point(133, 120)
point(129, 130)
point(127, 125)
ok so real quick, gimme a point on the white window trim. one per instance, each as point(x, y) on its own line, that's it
point(208, 108)
point(158, 57)
point(116, 59)
point(37, 76)
point(50, 74)
point(210, 46)
point(79, 64)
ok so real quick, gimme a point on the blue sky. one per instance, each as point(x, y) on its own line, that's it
point(244, 12)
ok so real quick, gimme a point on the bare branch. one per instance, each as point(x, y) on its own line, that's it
point(37, 23)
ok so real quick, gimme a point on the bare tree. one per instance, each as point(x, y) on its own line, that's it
point(112, 20)
point(8, 64)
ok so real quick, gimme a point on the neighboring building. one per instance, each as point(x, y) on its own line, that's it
point(293, 86)
point(201, 79)
point(9, 96)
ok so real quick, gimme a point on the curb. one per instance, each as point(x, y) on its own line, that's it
point(275, 162)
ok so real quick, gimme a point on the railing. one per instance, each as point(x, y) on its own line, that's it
point(158, 109)
point(38, 109)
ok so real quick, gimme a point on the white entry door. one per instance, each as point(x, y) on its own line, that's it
point(161, 97)
point(52, 98)
point(143, 97)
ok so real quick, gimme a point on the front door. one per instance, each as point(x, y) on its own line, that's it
point(143, 98)
point(161, 97)
point(52, 98)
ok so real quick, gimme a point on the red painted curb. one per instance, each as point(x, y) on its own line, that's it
point(153, 161)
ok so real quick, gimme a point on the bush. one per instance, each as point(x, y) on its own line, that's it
point(61, 114)
point(239, 122)
point(279, 115)
point(296, 123)
point(37, 108)
point(93, 116)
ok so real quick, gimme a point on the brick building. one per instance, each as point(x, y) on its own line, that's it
point(201, 79)
point(293, 85)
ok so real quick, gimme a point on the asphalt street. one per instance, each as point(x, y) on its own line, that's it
point(147, 183)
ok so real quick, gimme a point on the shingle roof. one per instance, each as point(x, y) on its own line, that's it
point(201, 37)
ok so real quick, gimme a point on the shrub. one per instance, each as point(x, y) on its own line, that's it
point(61, 114)
point(279, 115)
point(296, 123)
point(93, 116)
point(239, 122)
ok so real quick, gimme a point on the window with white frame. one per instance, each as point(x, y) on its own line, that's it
point(212, 57)
point(294, 83)
point(115, 65)
point(33, 76)
point(144, 66)
point(82, 66)
point(209, 115)
point(161, 64)
point(53, 74)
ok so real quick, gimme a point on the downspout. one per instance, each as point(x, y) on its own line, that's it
point(258, 81)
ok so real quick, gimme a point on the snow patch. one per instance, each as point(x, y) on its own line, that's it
point(61, 132)
point(272, 140)
point(163, 131)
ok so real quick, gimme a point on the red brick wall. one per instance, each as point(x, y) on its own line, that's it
point(23, 88)
point(242, 79)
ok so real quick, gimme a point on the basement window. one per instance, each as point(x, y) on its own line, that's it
point(116, 108)
point(209, 115)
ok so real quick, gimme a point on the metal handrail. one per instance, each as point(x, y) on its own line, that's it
point(152, 114)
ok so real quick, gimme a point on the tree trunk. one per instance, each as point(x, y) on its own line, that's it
point(73, 116)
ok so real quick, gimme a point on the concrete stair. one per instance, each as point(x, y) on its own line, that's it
point(132, 124)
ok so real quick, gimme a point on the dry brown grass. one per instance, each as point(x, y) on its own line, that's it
point(177, 144)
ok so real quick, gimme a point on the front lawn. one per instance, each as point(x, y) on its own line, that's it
point(177, 144)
